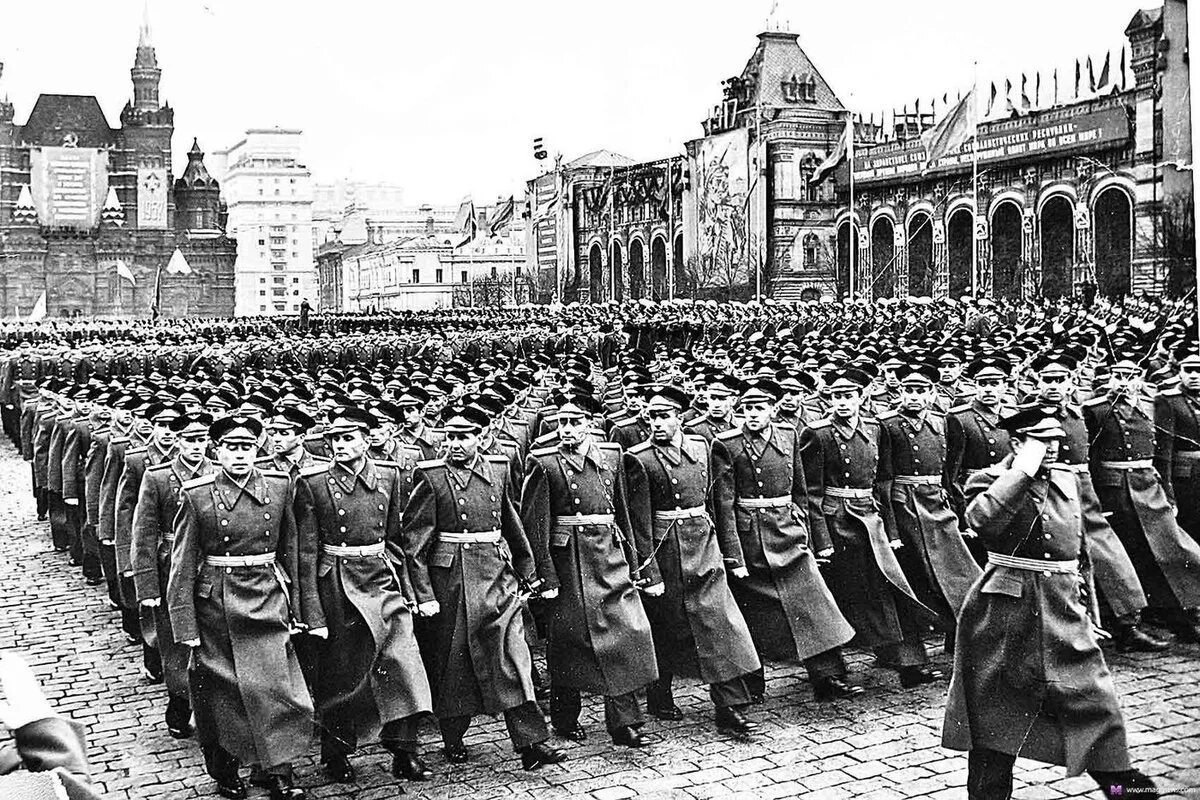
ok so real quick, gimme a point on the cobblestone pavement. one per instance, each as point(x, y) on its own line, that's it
point(883, 746)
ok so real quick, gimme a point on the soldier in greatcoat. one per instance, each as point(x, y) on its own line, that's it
point(974, 439)
point(153, 534)
point(575, 512)
point(1177, 443)
point(1121, 426)
point(1029, 677)
point(841, 455)
point(937, 561)
point(242, 582)
point(287, 428)
point(370, 680)
point(699, 631)
point(469, 561)
point(761, 497)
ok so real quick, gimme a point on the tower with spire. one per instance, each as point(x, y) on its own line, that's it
point(145, 72)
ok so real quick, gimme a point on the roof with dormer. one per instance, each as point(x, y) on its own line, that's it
point(196, 175)
point(779, 59)
point(58, 119)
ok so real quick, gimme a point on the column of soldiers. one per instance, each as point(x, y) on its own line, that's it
point(366, 526)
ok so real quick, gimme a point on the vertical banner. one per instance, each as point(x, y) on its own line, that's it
point(722, 208)
point(152, 197)
point(69, 185)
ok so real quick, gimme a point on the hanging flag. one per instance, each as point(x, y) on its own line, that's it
point(465, 223)
point(1122, 68)
point(124, 272)
point(1025, 104)
point(502, 217)
point(955, 129)
point(1077, 78)
point(39, 309)
point(1100, 84)
point(1056, 86)
point(178, 265)
point(836, 158)
point(991, 101)
point(1091, 77)
point(1037, 90)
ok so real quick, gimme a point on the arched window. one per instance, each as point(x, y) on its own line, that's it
point(811, 248)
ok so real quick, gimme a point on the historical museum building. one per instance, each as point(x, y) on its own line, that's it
point(1091, 192)
point(93, 217)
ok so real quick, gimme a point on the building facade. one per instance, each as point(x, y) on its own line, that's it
point(1093, 193)
point(80, 200)
point(268, 189)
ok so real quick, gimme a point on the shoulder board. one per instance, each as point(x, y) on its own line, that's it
point(203, 480)
point(274, 473)
point(543, 451)
point(136, 451)
point(624, 423)
point(699, 439)
point(694, 422)
point(1172, 392)
point(732, 433)
point(431, 463)
point(873, 420)
point(118, 440)
point(884, 415)
point(1096, 401)
point(314, 469)
point(388, 464)
point(934, 412)
point(639, 448)
point(314, 437)
point(159, 467)
point(819, 423)
point(787, 426)
point(497, 459)
point(960, 409)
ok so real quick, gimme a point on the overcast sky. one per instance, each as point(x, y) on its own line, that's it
point(445, 97)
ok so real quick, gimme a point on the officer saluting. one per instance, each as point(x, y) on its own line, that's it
point(242, 581)
point(1029, 677)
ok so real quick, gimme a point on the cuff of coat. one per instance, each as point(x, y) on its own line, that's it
point(183, 624)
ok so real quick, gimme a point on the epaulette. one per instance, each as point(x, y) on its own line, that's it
point(314, 469)
point(873, 420)
point(314, 437)
point(639, 448)
point(699, 439)
point(275, 473)
point(819, 423)
point(543, 451)
point(694, 422)
point(889, 414)
point(497, 459)
point(732, 433)
point(787, 426)
point(118, 440)
point(135, 451)
point(1095, 401)
point(431, 463)
point(608, 445)
point(159, 466)
point(203, 480)
point(389, 464)
point(959, 409)
point(1174, 391)
point(624, 423)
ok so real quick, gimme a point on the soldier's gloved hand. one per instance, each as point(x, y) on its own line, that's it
point(654, 589)
point(428, 609)
point(896, 544)
point(549, 594)
point(740, 572)
point(127, 574)
point(190, 643)
point(152, 602)
point(71, 501)
point(1030, 456)
point(825, 554)
point(23, 699)
point(320, 633)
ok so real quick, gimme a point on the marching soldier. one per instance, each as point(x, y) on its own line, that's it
point(288, 428)
point(974, 439)
point(1029, 677)
point(1177, 443)
point(1121, 426)
point(153, 534)
point(468, 557)
point(720, 394)
point(760, 496)
point(841, 458)
point(698, 629)
point(370, 679)
point(242, 582)
point(574, 509)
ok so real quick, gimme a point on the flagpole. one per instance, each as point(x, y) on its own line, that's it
point(853, 237)
point(759, 169)
point(975, 183)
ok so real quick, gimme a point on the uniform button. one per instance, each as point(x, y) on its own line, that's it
point(337, 495)
point(343, 529)
point(224, 522)
point(462, 501)
point(847, 474)
point(847, 461)
point(576, 501)
point(228, 570)
point(381, 506)
point(464, 516)
point(915, 447)
point(1046, 536)
point(227, 538)
point(493, 498)
point(466, 545)
point(1046, 573)
point(573, 486)
point(266, 515)
point(680, 497)
point(341, 512)
point(674, 480)
point(221, 506)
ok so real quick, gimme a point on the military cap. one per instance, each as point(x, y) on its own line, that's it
point(847, 378)
point(949, 355)
point(197, 422)
point(666, 396)
point(465, 418)
point(235, 429)
point(579, 385)
point(161, 413)
point(293, 417)
point(348, 419)
point(413, 396)
point(1034, 419)
point(582, 405)
point(795, 381)
point(726, 385)
point(989, 367)
point(1188, 355)
point(1054, 361)
point(1126, 360)
point(762, 390)
point(918, 374)
point(256, 404)
point(493, 405)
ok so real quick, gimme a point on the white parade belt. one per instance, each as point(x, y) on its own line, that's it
point(473, 537)
point(916, 480)
point(853, 494)
point(1144, 463)
point(765, 502)
point(260, 560)
point(1032, 564)
point(584, 519)
point(353, 551)
point(671, 515)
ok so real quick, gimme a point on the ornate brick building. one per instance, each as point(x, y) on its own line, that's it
point(80, 200)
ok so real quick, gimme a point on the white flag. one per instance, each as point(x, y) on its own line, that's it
point(39, 309)
point(178, 264)
point(124, 271)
